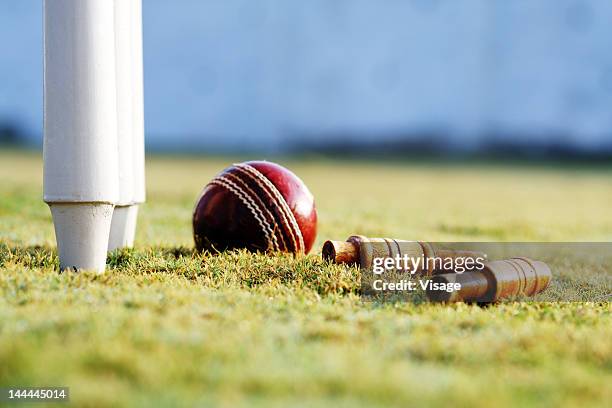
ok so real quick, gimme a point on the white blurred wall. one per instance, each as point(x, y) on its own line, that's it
point(250, 74)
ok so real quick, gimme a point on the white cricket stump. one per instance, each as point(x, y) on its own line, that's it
point(82, 231)
point(123, 227)
point(130, 122)
point(80, 121)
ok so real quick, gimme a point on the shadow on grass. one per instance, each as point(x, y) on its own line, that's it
point(238, 268)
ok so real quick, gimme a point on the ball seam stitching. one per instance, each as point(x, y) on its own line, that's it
point(286, 212)
point(236, 190)
point(262, 208)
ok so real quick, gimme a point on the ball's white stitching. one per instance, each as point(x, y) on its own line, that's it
point(236, 190)
point(261, 206)
point(269, 189)
point(286, 212)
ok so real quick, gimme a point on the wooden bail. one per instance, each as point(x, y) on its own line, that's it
point(340, 252)
point(498, 280)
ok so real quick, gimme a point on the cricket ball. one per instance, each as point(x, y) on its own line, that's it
point(257, 205)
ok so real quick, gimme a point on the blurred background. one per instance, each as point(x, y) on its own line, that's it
point(524, 77)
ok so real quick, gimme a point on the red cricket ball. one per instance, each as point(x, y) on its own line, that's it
point(257, 205)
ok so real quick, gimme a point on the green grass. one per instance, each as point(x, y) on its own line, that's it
point(168, 327)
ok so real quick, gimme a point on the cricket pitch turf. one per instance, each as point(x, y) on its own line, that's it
point(168, 327)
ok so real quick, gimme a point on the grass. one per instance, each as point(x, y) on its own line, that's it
point(168, 327)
